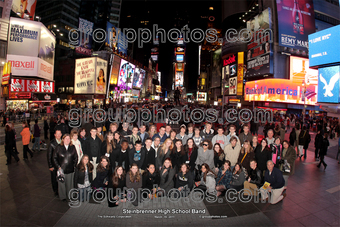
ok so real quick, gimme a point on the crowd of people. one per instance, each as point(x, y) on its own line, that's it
point(209, 157)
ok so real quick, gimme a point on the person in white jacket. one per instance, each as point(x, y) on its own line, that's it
point(220, 138)
point(77, 144)
point(232, 151)
point(208, 181)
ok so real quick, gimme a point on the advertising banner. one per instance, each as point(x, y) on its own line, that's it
point(23, 65)
point(84, 81)
point(138, 79)
point(279, 90)
point(300, 71)
point(216, 69)
point(158, 89)
point(46, 46)
point(232, 85)
point(126, 72)
point(329, 84)
point(201, 96)
point(296, 22)
point(114, 69)
point(85, 37)
point(259, 48)
point(6, 74)
point(21, 85)
point(101, 76)
point(23, 37)
point(240, 61)
point(179, 79)
point(24, 8)
point(324, 47)
point(115, 38)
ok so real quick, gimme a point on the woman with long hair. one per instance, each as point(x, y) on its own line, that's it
point(289, 156)
point(25, 136)
point(65, 160)
point(77, 144)
point(152, 131)
point(224, 177)
point(167, 174)
point(134, 181)
point(164, 152)
point(83, 177)
point(108, 146)
point(103, 169)
point(191, 150)
point(246, 154)
point(262, 155)
point(276, 149)
point(219, 155)
point(207, 182)
point(117, 139)
point(178, 156)
point(150, 178)
point(184, 178)
point(255, 142)
point(116, 182)
point(9, 144)
point(238, 177)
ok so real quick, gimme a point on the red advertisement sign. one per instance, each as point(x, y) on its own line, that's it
point(20, 85)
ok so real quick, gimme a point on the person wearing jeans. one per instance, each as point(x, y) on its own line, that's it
point(36, 136)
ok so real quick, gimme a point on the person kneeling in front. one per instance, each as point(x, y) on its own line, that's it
point(254, 180)
point(274, 177)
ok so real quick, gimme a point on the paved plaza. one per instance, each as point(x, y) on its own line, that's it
point(312, 199)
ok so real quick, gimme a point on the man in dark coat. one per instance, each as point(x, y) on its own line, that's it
point(52, 145)
point(150, 154)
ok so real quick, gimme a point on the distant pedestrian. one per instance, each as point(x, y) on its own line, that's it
point(46, 128)
point(323, 150)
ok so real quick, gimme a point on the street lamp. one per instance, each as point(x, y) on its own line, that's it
point(304, 102)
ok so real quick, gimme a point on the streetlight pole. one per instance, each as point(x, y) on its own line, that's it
point(304, 102)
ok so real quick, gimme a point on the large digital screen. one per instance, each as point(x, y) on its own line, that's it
point(179, 79)
point(259, 48)
point(300, 71)
point(85, 37)
point(179, 57)
point(24, 9)
point(126, 72)
point(201, 96)
point(329, 84)
point(324, 47)
point(115, 38)
point(138, 78)
point(279, 90)
point(296, 21)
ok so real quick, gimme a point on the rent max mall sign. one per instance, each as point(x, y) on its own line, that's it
point(279, 90)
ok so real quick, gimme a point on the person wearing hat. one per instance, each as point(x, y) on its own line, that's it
point(181, 135)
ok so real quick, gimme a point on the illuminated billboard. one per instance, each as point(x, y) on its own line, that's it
point(179, 79)
point(126, 72)
point(300, 71)
point(329, 84)
point(138, 78)
point(179, 57)
point(324, 47)
point(201, 96)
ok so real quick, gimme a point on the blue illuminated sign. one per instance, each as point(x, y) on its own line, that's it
point(324, 47)
point(329, 84)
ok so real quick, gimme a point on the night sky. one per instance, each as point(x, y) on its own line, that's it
point(170, 14)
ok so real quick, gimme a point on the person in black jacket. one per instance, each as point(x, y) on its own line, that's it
point(184, 180)
point(116, 182)
point(103, 170)
point(323, 150)
point(150, 154)
point(254, 180)
point(178, 156)
point(9, 145)
point(65, 159)
point(46, 127)
point(62, 127)
point(52, 127)
point(83, 178)
point(137, 155)
point(82, 137)
point(93, 149)
point(262, 155)
point(150, 178)
point(317, 144)
point(51, 148)
point(292, 137)
point(275, 178)
point(191, 150)
point(121, 155)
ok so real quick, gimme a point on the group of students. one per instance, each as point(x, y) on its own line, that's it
point(192, 158)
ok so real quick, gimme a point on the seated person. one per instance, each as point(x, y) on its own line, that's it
point(253, 183)
point(207, 182)
point(238, 177)
point(184, 179)
point(224, 177)
point(150, 178)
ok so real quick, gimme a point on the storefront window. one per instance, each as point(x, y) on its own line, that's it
point(17, 104)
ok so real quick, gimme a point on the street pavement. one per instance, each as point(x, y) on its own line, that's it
point(312, 199)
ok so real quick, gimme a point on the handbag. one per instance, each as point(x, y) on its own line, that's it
point(286, 167)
